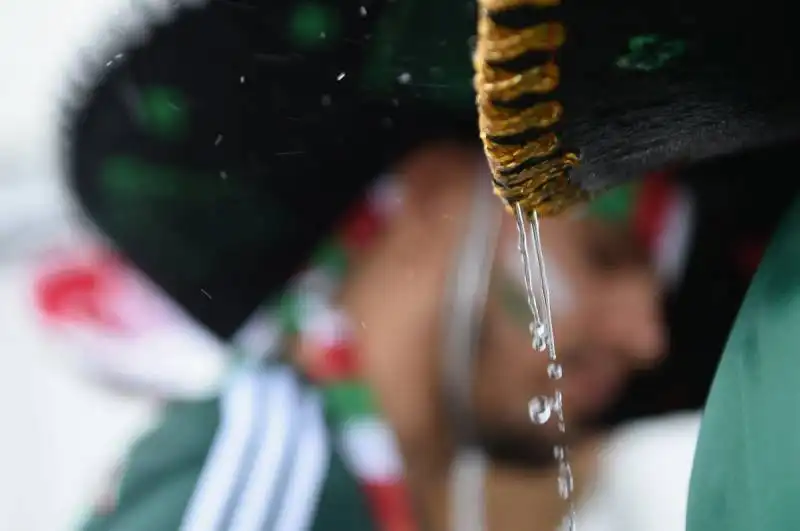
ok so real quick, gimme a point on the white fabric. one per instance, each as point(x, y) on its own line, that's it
point(60, 433)
point(268, 462)
point(644, 477)
point(152, 346)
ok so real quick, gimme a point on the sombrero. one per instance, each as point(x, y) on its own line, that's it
point(216, 151)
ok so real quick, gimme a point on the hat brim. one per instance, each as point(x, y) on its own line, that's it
point(216, 158)
point(216, 154)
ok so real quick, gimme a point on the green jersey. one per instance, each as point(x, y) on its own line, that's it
point(260, 457)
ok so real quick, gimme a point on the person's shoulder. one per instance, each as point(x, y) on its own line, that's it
point(151, 489)
point(645, 470)
point(660, 447)
point(195, 466)
point(655, 433)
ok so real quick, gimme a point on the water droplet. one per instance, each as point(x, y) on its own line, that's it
point(555, 371)
point(340, 76)
point(558, 401)
point(566, 482)
point(539, 336)
point(404, 78)
point(569, 522)
point(326, 100)
point(223, 174)
point(559, 452)
point(363, 11)
point(539, 409)
point(241, 80)
point(539, 343)
point(218, 140)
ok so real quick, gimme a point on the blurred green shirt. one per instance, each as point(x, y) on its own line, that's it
point(260, 457)
point(746, 474)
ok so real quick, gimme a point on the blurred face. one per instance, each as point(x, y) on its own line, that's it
point(605, 310)
point(606, 323)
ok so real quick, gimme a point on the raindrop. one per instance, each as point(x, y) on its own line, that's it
point(559, 453)
point(241, 80)
point(326, 100)
point(539, 409)
point(539, 336)
point(218, 140)
point(566, 482)
point(555, 371)
point(340, 76)
point(363, 11)
point(404, 78)
point(569, 522)
point(558, 402)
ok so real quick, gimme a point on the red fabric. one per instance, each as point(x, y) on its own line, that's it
point(332, 363)
point(80, 291)
point(652, 207)
point(391, 506)
point(360, 227)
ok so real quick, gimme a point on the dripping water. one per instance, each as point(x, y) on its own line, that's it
point(542, 408)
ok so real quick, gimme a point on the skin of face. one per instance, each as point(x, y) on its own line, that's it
point(606, 319)
point(607, 325)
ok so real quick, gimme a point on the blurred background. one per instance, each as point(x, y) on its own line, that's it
point(62, 430)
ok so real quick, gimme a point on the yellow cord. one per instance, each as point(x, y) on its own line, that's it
point(529, 164)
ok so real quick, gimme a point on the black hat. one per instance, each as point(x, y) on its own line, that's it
point(219, 150)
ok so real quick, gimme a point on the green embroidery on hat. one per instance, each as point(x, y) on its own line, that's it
point(312, 24)
point(162, 112)
point(413, 49)
point(182, 216)
point(647, 53)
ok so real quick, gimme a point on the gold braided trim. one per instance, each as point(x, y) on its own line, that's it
point(545, 186)
point(503, 44)
point(498, 85)
point(503, 5)
point(502, 121)
point(508, 157)
point(543, 172)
